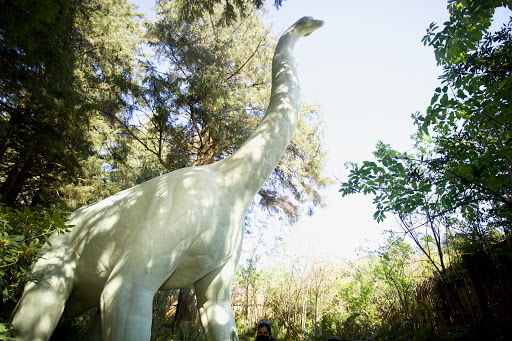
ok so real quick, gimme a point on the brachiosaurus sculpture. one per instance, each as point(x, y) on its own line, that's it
point(179, 228)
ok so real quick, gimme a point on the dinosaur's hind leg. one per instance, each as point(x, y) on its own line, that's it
point(213, 293)
point(42, 303)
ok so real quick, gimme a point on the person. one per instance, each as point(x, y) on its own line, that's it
point(264, 332)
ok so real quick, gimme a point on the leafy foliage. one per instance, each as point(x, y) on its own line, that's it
point(37, 59)
point(197, 109)
point(62, 64)
point(308, 297)
point(461, 34)
point(470, 114)
point(191, 10)
point(23, 233)
point(5, 333)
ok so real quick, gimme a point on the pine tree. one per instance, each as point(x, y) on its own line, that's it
point(63, 63)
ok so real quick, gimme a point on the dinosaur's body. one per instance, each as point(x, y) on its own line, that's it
point(180, 228)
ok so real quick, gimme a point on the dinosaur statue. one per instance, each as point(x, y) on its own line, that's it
point(180, 228)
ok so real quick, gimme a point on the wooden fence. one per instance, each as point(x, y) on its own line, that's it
point(473, 300)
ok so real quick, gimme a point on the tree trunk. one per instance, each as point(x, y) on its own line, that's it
point(13, 184)
point(17, 166)
point(206, 150)
point(186, 308)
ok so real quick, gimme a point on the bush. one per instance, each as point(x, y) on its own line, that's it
point(23, 232)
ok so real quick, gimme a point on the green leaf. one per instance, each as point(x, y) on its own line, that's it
point(56, 216)
point(444, 100)
point(10, 259)
point(17, 238)
point(434, 99)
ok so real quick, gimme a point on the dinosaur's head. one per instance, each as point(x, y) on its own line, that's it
point(305, 26)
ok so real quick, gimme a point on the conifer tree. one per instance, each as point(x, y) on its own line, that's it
point(62, 63)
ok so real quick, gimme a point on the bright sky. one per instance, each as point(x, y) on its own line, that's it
point(369, 71)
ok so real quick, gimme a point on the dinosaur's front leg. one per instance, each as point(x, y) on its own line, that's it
point(127, 298)
point(126, 308)
point(42, 303)
point(214, 303)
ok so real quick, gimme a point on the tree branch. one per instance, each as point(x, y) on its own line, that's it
point(247, 61)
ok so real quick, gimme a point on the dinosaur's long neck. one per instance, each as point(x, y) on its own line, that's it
point(251, 165)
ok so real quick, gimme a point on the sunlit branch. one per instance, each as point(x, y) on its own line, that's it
point(252, 55)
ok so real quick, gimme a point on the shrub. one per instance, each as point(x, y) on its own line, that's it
point(23, 232)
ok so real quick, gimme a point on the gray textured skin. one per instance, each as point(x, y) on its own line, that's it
point(180, 228)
